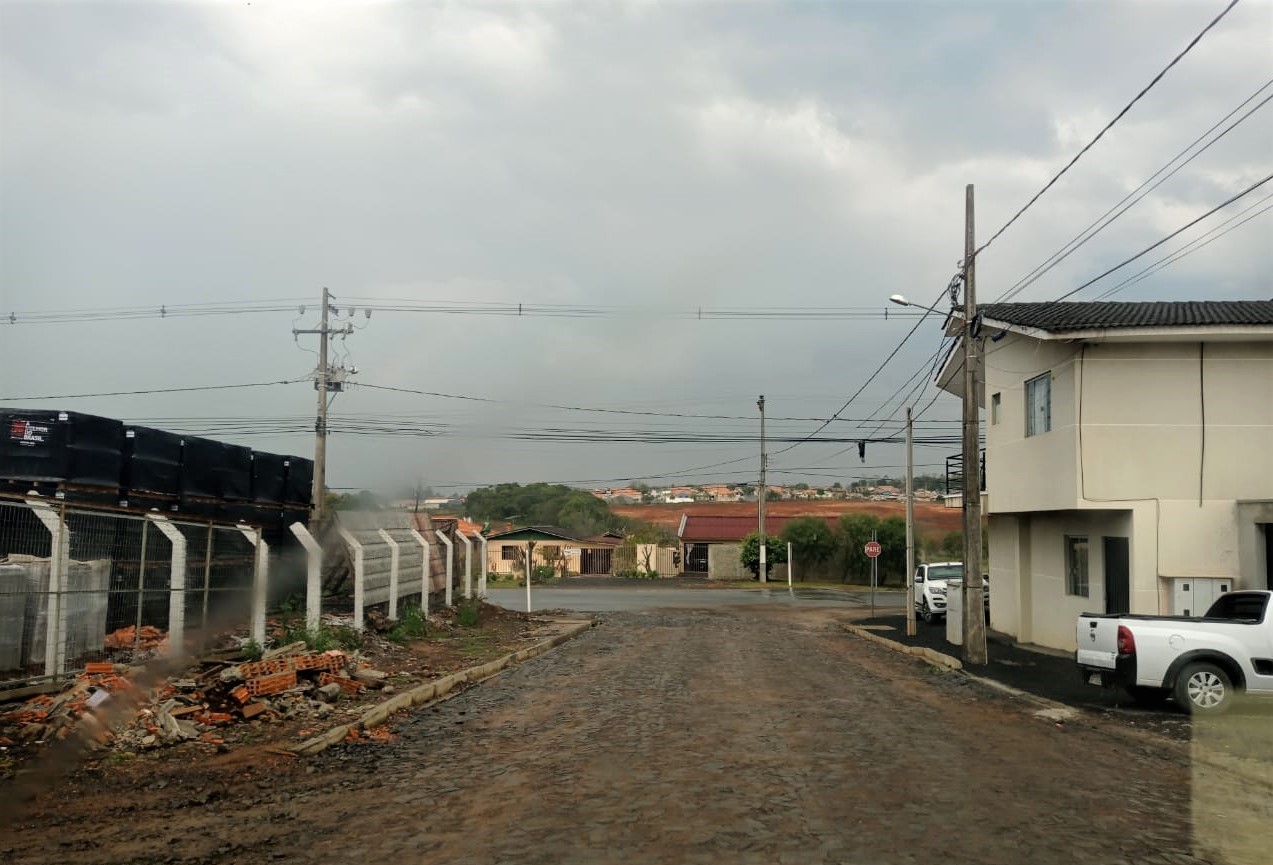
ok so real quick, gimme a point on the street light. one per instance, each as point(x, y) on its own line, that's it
point(902, 301)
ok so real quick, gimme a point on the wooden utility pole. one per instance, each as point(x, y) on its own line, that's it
point(910, 529)
point(974, 613)
point(760, 403)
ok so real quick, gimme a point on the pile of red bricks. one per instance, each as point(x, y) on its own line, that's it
point(107, 704)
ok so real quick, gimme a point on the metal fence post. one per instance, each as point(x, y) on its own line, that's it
point(207, 576)
point(450, 563)
point(468, 564)
point(424, 572)
point(54, 645)
point(141, 589)
point(394, 561)
point(176, 585)
point(260, 581)
point(359, 570)
point(313, 579)
point(481, 578)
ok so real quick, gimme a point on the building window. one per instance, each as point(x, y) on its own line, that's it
point(994, 408)
point(508, 554)
point(1038, 405)
point(550, 553)
point(1076, 566)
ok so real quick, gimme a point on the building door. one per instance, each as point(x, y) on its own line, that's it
point(1118, 590)
point(696, 558)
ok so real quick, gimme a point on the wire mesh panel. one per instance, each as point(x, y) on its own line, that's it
point(26, 548)
point(81, 586)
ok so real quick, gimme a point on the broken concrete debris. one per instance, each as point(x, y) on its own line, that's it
point(107, 704)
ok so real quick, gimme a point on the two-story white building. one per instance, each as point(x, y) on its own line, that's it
point(1129, 457)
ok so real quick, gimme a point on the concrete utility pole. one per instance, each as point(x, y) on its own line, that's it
point(321, 383)
point(760, 403)
point(974, 611)
point(910, 529)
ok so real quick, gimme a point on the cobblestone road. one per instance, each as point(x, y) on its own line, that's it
point(735, 736)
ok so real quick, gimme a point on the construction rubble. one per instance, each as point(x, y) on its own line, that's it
point(115, 706)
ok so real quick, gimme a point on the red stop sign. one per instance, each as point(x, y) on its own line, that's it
point(873, 549)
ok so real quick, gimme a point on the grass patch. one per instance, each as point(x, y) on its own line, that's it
point(412, 625)
point(466, 613)
point(324, 637)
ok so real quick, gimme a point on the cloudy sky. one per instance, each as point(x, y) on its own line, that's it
point(643, 159)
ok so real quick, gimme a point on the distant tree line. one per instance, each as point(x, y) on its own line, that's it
point(836, 551)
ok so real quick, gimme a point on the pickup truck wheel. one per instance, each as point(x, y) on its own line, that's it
point(1204, 689)
point(926, 613)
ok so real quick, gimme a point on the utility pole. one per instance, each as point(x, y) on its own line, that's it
point(974, 612)
point(760, 403)
point(322, 383)
point(910, 529)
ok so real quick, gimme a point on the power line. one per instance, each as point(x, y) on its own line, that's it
point(1196, 244)
point(505, 309)
point(152, 391)
point(1101, 222)
point(1159, 243)
point(872, 376)
point(1107, 127)
point(597, 409)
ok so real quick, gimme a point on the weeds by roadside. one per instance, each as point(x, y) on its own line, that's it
point(412, 625)
point(324, 637)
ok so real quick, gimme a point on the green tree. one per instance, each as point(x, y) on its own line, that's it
point(775, 553)
point(813, 542)
point(854, 531)
point(952, 545)
point(363, 500)
point(577, 511)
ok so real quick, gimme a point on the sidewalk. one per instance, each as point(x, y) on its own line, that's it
point(1049, 676)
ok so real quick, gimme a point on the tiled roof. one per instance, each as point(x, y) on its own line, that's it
point(1061, 317)
point(710, 527)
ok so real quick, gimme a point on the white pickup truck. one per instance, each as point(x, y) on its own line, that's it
point(1203, 662)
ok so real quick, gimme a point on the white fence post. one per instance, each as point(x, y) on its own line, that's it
point(313, 581)
point(260, 581)
point(424, 575)
point(359, 570)
point(468, 564)
point(481, 578)
point(55, 607)
point(176, 585)
point(450, 563)
point(394, 561)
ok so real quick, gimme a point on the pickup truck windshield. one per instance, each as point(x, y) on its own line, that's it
point(946, 572)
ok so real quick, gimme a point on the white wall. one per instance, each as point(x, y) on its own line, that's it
point(1028, 597)
point(1038, 472)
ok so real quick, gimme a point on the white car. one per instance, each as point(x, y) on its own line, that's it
point(1201, 661)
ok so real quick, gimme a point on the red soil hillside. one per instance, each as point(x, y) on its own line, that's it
point(929, 519)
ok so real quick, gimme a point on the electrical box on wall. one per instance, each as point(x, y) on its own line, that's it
point(1194, 596)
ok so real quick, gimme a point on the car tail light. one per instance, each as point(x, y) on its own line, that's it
point(1126, 642)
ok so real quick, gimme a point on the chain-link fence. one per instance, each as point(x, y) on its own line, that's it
point(80, 586)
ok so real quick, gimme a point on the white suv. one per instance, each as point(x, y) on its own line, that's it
point(930, 588)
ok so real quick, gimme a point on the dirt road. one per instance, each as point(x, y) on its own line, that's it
point(734, 736)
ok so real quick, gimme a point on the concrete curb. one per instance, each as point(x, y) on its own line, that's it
point(933, 657)
point(432, 692)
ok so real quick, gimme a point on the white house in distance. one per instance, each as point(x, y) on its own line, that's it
point(1129, 457)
